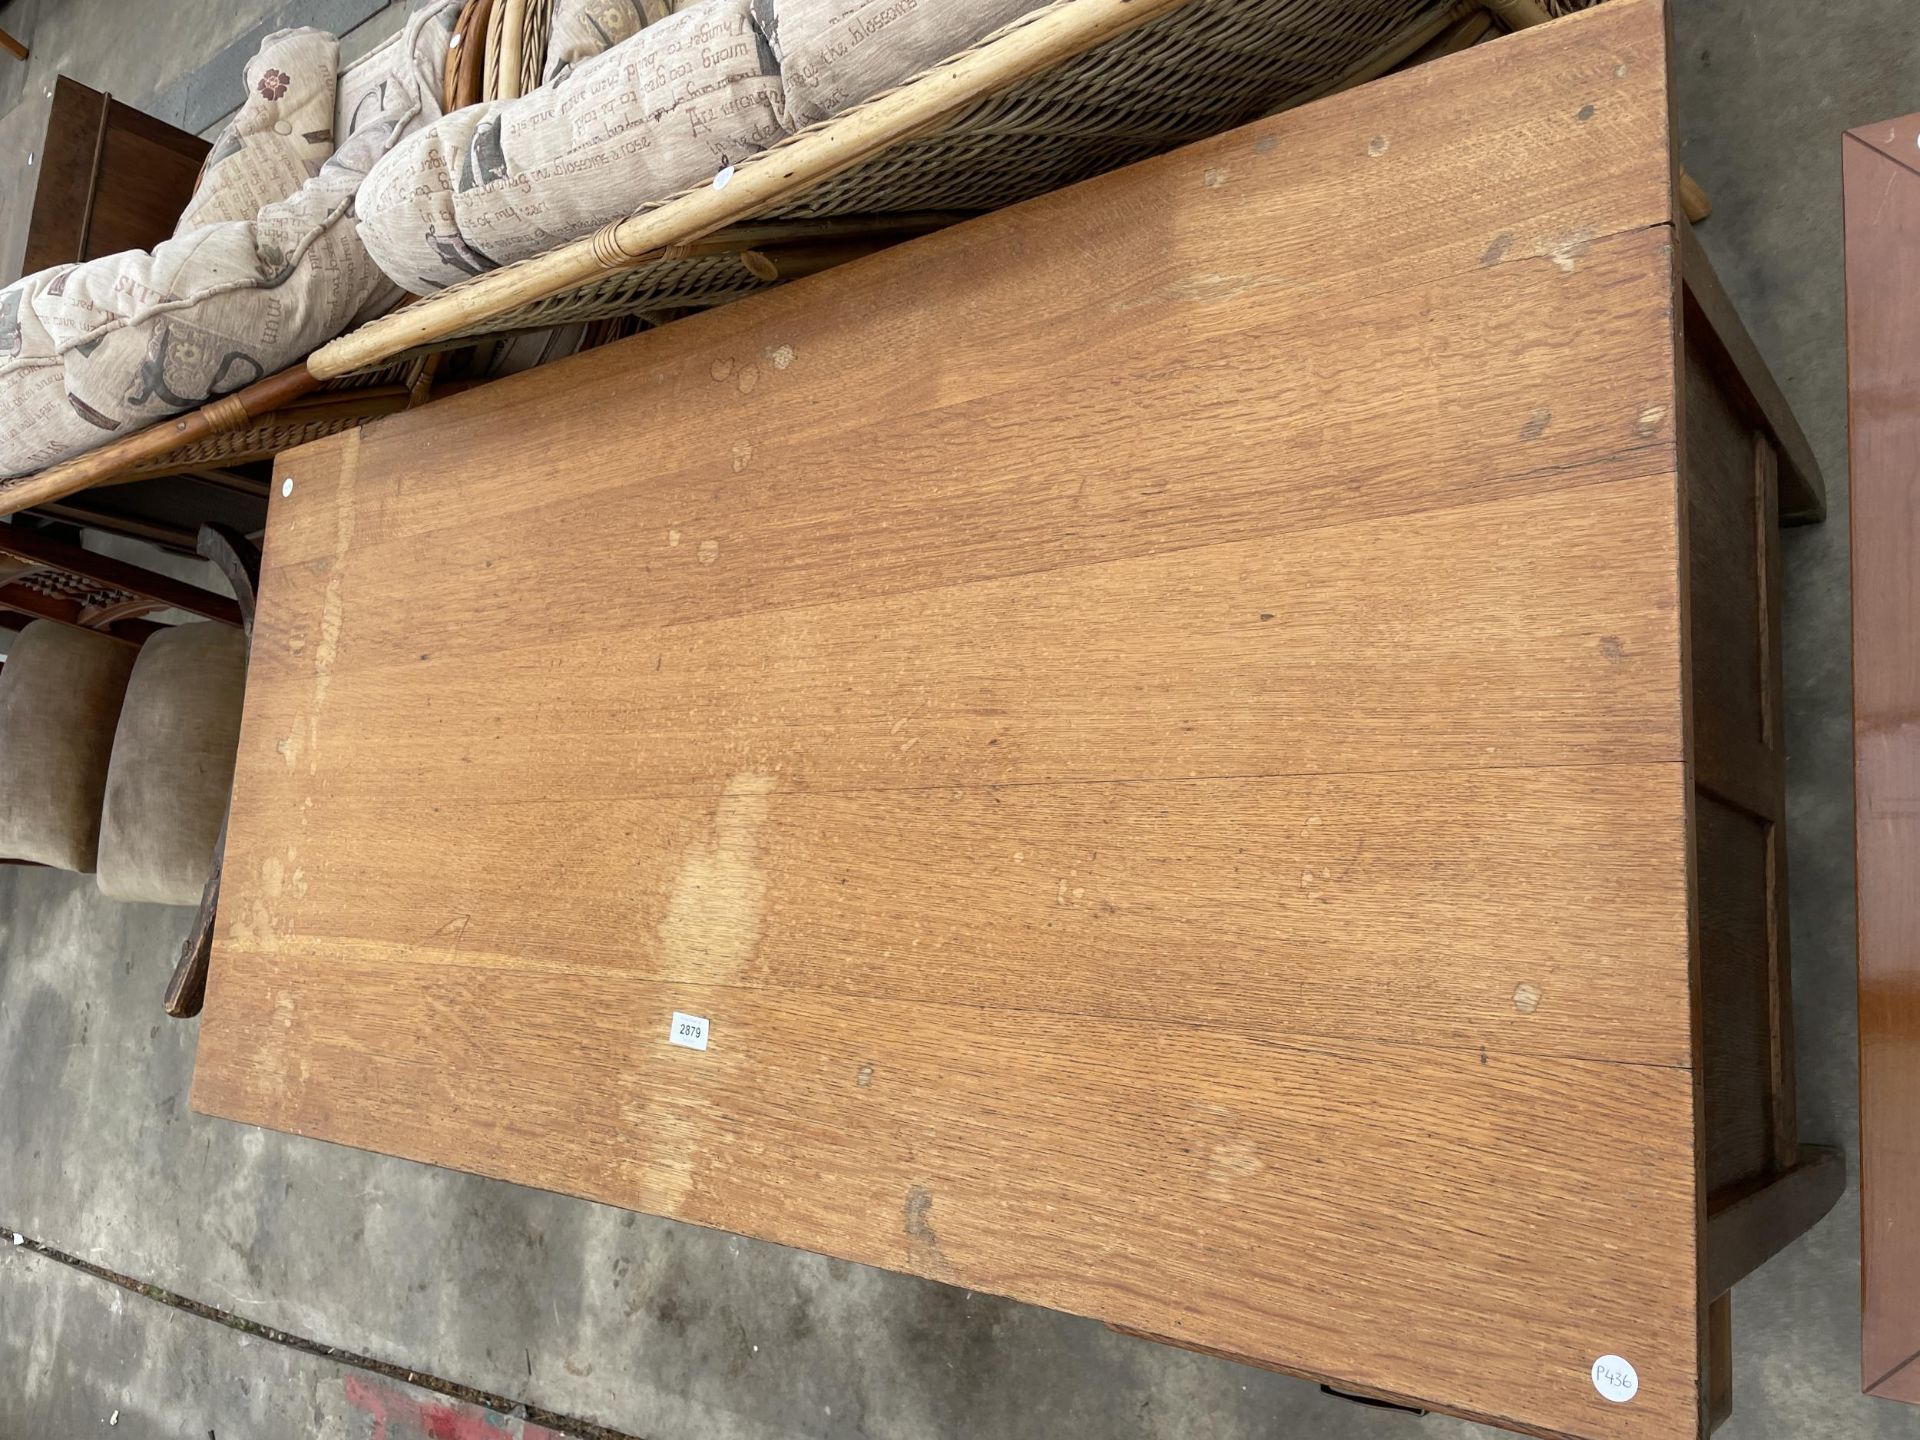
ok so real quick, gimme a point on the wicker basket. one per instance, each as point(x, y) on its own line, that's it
point(1206, 67)
point(473, 70)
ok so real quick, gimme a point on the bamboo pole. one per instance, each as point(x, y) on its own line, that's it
point(1464, 34)
point(512, 37)
point(1519, 14)
point(467, 57)
point(1397, 52)
point(817, 154)
point(229, 413)
point(1693, 200)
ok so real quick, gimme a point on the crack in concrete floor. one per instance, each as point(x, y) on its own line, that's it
point(567, 1427)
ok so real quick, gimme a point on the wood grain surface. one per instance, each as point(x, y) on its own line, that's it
point(1151, 725)
point(1882, 166)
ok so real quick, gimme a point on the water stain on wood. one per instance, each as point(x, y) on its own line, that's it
point(714, 914)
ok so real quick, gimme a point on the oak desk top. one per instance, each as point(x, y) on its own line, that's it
point(1149, 727)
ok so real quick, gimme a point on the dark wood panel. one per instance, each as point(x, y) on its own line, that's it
point(144, 186)
point(1737, 1019)
point(111, 179)
point(1724, 597)
point(1722, 336)
point(65, 161)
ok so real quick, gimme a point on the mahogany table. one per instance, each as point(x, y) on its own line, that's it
point(1204, 751)
point(1882, 167)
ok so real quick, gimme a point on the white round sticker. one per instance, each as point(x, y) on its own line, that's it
point(1615, 1379)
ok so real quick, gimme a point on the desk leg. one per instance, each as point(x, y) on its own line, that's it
point(1719, 1361)
point(239, 561)
point(13, 46)
point(1744, 1235)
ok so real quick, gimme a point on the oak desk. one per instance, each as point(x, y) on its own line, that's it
point(1203, 751)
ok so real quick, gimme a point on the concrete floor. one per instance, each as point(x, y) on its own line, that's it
point(87, 1353)
point(659, 1330)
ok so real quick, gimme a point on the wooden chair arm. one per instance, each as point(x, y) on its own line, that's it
point(239, 560)
point(187, 991)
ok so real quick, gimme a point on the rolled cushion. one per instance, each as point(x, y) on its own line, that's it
point(60, 696)
point(90, 352)
point(280, 137)
point(668, 107)
point(583, 29)
point(360, 93)
point(836, 53)
point(172, 767)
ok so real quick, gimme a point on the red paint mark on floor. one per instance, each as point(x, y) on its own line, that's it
point(400, 1414)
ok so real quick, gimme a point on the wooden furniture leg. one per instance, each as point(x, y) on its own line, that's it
point(1693, 200)
point(239, 560)
point(1719, 1362)
point(12, 46)
point(1748, 467)
point(1745, 1234)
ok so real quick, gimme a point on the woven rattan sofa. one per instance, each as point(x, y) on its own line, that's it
point(1070, 89)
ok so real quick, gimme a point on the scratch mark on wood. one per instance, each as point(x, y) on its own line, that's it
point(920, 1222)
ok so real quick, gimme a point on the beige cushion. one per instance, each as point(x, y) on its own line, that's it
point(172, 767)
point(583, 29)
point(280, 137)
point(360, 93)
point(59, 698)
point(90, 352)
point(836, 53)
point(669, 107)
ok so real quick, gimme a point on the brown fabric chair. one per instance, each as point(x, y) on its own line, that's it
point(172, 765)
point(60, 697)
point(117, 749)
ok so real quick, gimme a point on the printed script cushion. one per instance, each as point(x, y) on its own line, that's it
point(93, 351)
point(280, 138)
point(836, 53)
point(670, 106)
point(360, 93)
point(585, 28)
point(172, 768)
point(59, 699)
